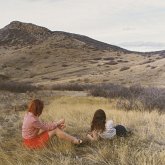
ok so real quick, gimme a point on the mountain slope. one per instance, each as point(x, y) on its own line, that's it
point(26, 34)
point(35, 54)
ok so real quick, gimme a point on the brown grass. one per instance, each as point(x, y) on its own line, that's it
point(53, 59)
point(146, 146)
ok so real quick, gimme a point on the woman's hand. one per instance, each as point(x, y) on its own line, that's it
point(61, 124)
point(93, 136)
point(89, 136)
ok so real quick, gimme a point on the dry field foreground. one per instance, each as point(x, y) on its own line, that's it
point(145, 147)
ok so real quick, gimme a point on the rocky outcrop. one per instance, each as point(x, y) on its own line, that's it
point(18, 33)
point(23, 34)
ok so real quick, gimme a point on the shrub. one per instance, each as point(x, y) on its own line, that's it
point(133, 97)
point(54, 78)
point(71, 87)
point(111, 63)
point(147, 99)
point(120, 61)
point(124, 68)
point(146, 62)
point(65, 65)
point(153, 67)
point(45, 57)
point(3, 77)
point(93, 62)
point(131, 104)
point(17, 87)
point(125, 61)
point(99, 58)
point(109, 58)
point(17, 68)
point(108, 91)
point(48, 52)
point(153, 98)
point(158, 58)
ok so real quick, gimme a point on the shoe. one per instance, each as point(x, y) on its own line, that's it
point(78, 142)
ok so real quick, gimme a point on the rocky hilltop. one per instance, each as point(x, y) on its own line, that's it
point(18, 33)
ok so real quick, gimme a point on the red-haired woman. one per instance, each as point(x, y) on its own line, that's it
point(32, 126)
point(100, 128)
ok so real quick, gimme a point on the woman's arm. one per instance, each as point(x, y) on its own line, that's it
point(89, 136)
point(47, 126)
point(93, 136)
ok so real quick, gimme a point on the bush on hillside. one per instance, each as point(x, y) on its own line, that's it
point(17, 87)
point(71, 87)
point(133, 97)
point(124, 68)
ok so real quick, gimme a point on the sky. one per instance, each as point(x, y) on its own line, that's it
point(132, 24)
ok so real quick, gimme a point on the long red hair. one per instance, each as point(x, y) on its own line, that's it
point(36, 106)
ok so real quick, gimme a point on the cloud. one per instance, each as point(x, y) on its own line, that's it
point(111, 21)
point(129, 29)
point(145, 46)
point(141, 43)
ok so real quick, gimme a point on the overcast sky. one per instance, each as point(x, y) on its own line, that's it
point(133, 24)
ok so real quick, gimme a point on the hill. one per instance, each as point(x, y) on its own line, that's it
point(30, 53)
point(18, 33)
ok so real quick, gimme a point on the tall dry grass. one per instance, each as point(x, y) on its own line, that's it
point(145, 147)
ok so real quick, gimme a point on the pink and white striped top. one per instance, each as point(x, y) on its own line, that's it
point(32, 125)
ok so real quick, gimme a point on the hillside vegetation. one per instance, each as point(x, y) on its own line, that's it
point(36, 55)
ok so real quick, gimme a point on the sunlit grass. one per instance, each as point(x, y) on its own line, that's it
point(145, 146)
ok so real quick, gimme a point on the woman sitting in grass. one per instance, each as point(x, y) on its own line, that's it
point(100, 128)
point(32, 126)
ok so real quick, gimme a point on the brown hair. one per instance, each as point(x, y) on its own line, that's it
point(99, 120)
point(36, 107)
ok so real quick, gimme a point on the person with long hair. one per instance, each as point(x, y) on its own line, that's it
point(36, 133)
point(100, 128)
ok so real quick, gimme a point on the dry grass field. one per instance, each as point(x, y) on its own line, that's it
point(146, 146)
point(45, 65)
point(35, 62)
